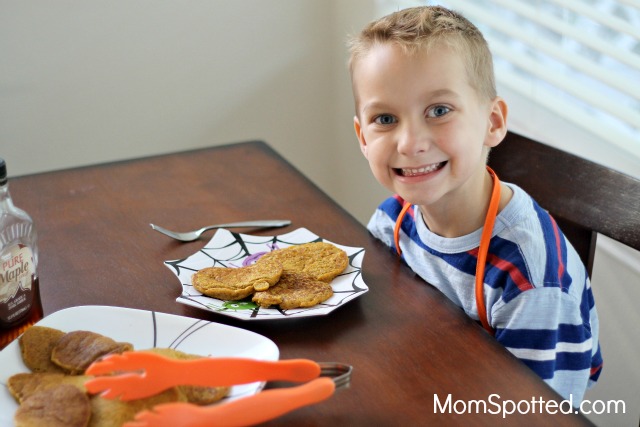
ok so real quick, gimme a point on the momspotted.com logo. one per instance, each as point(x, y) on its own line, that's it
point(495, 405)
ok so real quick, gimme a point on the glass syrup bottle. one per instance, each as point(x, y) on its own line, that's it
point(20, 305)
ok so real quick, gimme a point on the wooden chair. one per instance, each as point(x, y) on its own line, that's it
point(584, 198)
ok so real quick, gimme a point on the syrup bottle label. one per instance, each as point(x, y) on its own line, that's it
point(17, 271)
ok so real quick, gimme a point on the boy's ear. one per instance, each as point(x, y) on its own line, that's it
point(497, 122)
point(359, 134)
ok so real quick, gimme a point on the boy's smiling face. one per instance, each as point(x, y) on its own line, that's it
point(422, 126)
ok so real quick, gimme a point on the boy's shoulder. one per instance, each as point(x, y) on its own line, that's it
point(529, 229)
point(526, 242)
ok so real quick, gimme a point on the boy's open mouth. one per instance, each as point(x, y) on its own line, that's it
point(420, 171)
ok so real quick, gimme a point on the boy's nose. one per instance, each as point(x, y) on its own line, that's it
point(413, 139)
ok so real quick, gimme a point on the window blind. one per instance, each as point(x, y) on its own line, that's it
point(577, 59)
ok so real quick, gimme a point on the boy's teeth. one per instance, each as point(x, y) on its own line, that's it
point(422, 170)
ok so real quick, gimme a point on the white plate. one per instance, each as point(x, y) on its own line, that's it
point(144, 329)
point(228, 249)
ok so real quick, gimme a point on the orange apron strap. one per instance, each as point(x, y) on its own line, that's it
point(483, 250)
point(396, 229)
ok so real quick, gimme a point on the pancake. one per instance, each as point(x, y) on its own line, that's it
point(76, 350)
point(22, 385)
point(36, 345)
point(59, 406)
point(197, 395)
point(236, 283)
point(114, 412)
point(320, 260)
point(294, 290)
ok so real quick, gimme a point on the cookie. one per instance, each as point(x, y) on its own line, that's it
point(237, 283)
point(320, 260)
point(294, 290)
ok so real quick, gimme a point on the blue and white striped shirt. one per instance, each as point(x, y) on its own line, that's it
point(537, 291)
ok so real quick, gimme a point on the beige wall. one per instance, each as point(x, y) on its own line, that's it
point(85, 82)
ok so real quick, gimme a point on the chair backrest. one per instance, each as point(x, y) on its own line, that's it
point(584, 197)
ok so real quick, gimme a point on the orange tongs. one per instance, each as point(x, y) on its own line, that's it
point(139, 374)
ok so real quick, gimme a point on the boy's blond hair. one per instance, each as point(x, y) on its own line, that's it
point(420, 28)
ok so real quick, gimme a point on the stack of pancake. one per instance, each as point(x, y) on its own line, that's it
point(292, 277)
point(53, 393)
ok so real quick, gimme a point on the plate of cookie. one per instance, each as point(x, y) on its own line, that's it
point(297, 274)
point(48, 355)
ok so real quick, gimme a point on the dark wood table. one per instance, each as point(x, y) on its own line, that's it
point(405, 340)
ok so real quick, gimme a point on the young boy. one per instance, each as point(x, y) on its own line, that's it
point(427, 115)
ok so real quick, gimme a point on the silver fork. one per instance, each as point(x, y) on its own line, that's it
point(190, 236)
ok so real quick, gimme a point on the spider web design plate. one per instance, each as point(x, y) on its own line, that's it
point(229, 249)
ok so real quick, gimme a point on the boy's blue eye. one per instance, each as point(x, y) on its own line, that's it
point(385, 119)
point(438, 111)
